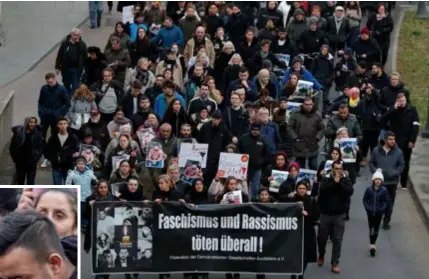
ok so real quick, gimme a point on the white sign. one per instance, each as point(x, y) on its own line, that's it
point(128, 14)
point(231, 164)
point(194, 152)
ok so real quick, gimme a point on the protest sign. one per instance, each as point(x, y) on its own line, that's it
point(278, 178)
point(304, 89)
point(194, 152)
point(132, 237)
point(348, 149)
point(232, 164)
point(128, 14)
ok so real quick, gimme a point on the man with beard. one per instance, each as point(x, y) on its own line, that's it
point(196, 43)
point(307, 129)
point(403, 121)
point(215, 134)
point(30, 248)
point(139, 118)
point(236, 118)
point(213, 20)
point(98, 128)
point(189, 23)
point(156, 89)
point(390, 159)
point(118, 58)
point(379, 78)
point(243, 81)
point(162, 101)
point(202, 101)
point(184, 137)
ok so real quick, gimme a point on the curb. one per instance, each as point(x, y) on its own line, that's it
point(37, 62)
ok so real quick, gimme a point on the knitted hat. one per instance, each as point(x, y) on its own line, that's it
point(298, 12)
point(314, 20)
point(378, 174)
point(364, 30)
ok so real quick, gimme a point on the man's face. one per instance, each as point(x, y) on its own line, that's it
point(200, 33)
point(390, 141)
point(51, 81)
point(266, 48)
point(308, 105)
point(75, 37)
point(186, 132)
point(263, 116)
point(250, 36)
point(102, 215)
point(204, 91)
point(339, 13)
point(144, 65)
point(394, 80)
point(20, 262)
point(129, 213)
point(62, 126)
point(343, 113)
point(135, 91)
point(213, 10)
point(282, 35)
point(402, 102)
point(107, 76)
point(168, 23)
point(215, 122)
point(313, 26)
point(297, 66)
point(255, 132)
point(190, 12)
point(375, 70)
point(109, 258)
point(235, 100)
point(123, 254)
point(159, 81)
point(168, 91)
point(198, 71)
point(243, 76)
point(364, 36)
point(116, 45)
point(166, 132)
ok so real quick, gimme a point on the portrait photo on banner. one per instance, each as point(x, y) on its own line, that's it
point(51, 216)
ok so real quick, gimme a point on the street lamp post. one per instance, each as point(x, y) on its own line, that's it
point(425, 132)
point(422, 10)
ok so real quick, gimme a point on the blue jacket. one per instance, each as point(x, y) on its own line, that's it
point(304, 75)
point(85, 179)
point(169, 36)
point(270, 132)
point(53, 101)
point(133, 30)
point(375, 201)
point(161, 104)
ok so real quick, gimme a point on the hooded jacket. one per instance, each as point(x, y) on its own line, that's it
point(273, 14)
point(26, 147)
point(63, 53)
point(69, 244)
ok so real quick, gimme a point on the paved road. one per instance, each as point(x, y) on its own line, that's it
point(31, 29)
point(401, 252)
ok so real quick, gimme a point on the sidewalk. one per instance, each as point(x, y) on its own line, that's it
point(419, 164)
point(31, 29)
point(27, 88)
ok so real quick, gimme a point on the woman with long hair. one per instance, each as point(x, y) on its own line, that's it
point(175, 116)
point(142, 47)
point(288, 90)
point(120, 33)
point(81, 105)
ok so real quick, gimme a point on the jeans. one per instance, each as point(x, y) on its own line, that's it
point(374, 221)
point(59, 176)
point(95, 10)
point(333, 226)
point(254, 178)
point(26, 171)
point(71, 79)
point(391, 189)
point(312, 162)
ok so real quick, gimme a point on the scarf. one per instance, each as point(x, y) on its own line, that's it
point(142, 75)
point(354, 100)
point(380, 16)
point(121, 122)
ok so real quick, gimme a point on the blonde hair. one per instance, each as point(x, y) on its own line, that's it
point(167, 178)
point(84, 92)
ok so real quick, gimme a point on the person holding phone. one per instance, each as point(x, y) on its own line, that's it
point(334, 196)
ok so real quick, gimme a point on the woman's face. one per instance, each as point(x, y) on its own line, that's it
point(119, 29)
point(378, 182)
point(204, 114)
point(211, 83)
point(335, 156)
point(176, 106)
point(264, 196)
point(301, 190)
point(151, 118)
point(32, 123)
point(201, 58)
point(271, 5)
point(163, 185)
point(294, 80)
point(236, 61)
point(168, 75)
point(124, 142)
point(352, 3)
point(343, 134)
point(132, 186)
point(381, 9)
point(280, 161)
point(56, 206)
point(232, 185)
point(199, 187)
point(293, 172)
point(142, 33)
point(125, 168)
point(102, 189)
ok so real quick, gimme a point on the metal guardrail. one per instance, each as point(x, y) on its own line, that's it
point(6, 119)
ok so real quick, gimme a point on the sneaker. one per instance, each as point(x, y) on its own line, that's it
point(45, 163)
point(386, 226)
point(320, 261)
point(335, 269)
point(404, 188)
point(372, 250)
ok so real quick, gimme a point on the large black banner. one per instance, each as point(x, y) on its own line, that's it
point(135, 237)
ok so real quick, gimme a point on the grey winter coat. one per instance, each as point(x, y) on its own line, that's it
point(123, 58)
point(80, 106)
point(392, 163)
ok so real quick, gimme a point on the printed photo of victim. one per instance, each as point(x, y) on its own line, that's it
point(39, 232)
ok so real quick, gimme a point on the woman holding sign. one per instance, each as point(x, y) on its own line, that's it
point(310, 217)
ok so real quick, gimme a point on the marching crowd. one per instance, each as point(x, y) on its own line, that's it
point(216, 73)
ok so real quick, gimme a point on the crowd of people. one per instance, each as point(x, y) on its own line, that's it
point(227, 74)
point(38, 227)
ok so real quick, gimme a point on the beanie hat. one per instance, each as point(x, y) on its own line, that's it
point(364, 30)
point(217, 114)
point(293, 165)
point(298, 12)
point(314, 20)
point(378, 174)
